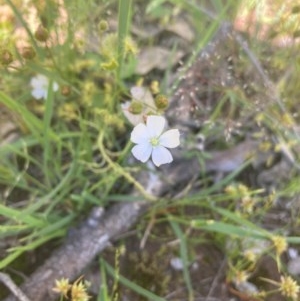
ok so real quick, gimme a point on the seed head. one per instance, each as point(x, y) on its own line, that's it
point(280, 244)
point(135, 108)
point(65, 90)
point(28, 53)
point(161, 101)
point(6, 57)
point(41, 34)
point(289, 287)
point(103, 25)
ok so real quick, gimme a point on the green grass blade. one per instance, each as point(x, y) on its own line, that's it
point(184, 257)
point(18, 251)
point(103, 291)
point(34, 124)
point(229, 229)
point(124, 21)
point(21, 19)
point(46, 130)
point(20, 216)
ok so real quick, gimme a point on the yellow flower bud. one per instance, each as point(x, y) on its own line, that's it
point(135, 107)
point(161, 101)
point(103, 25)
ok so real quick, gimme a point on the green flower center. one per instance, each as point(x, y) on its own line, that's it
point(154, 141)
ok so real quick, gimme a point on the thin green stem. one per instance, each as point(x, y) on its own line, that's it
point(117, 168)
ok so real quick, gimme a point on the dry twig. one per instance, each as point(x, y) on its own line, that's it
point(5, 279)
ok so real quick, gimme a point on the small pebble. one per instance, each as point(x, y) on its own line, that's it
point(293, 266)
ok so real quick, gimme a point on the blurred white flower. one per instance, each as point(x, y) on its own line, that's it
point(142, 96)
point(40, 84)
point(151, 141)
point(177, 264)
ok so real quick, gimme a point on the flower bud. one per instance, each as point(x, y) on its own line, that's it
point(154, 87)
point(65, 90)
point(103, 25)
point(161, 101)
point(135, 108)
point(6, 57)
point(41, 34)
point(28, 53)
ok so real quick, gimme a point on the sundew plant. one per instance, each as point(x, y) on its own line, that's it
point(183, 113)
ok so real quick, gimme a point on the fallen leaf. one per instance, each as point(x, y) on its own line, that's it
point(156, 57)
point(182, 29)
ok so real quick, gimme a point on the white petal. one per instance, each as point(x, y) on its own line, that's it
point(43, 79)
point(170, 139)
point(34, 82)
point(39, 81)
point(138, 93)
point(55, 86)
point(142, 95)
point(160, 155)
point(155, 125)
point(38, 93)
point(140, 134)
point(142, 151)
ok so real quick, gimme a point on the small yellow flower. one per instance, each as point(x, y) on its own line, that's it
point(279, 244)
point(109, 46)
point(250, 255)
point(130, 46)
point(89, 89)
point(78, 291)
point(247, 204)
point(68, 111)
point(243, 189)
point(230, 189)
point(259, 118)
point(287, 120)
point(241, 277)
point(289, 287)
point(62, 286)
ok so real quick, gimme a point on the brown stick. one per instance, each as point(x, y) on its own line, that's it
point(79, 249)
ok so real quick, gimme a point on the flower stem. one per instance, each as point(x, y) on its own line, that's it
point(116, 167)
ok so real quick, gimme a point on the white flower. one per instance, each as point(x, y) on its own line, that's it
point(40, 84)
point(151, 140)
point(144, 97)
